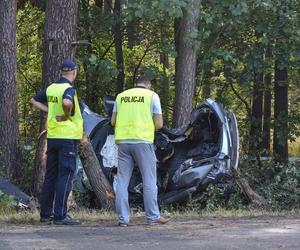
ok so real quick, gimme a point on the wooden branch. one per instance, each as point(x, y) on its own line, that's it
point(96, 177)
point(109, 5)
point(256, 200)
point(139, 63)
point(81, 42)
point(242, 100)
point(107, 49)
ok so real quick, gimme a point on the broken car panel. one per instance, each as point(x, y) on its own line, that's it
point(189, 158)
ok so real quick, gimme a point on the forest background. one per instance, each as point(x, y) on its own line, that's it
point(245, 54)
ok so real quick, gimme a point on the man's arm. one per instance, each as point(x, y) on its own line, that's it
point(39, 105)
point(67, 107)
point(39, 101)
point(114, 114)
point(158, 121)
point(113, 118)
point(67, 104)
point(157, 112)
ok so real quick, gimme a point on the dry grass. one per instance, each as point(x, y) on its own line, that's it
point(294, 148)
point(96, 216)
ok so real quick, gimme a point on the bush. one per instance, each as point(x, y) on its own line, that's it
point(7, 203)
point(278, 183)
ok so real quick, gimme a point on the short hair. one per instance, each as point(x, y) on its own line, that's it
point(143, 80)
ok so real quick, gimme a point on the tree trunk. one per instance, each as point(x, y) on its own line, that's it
point(118, 46)
point(280, 137)
point(108, 6)
point(10, 160)
point(91, 96)
point(97, 179)
point(207, 82)
point(185, 64)
point(99, 3)
point(257, 115)
point(133, 32)
point(59, 33)
point(266, 134)
point(165, 92)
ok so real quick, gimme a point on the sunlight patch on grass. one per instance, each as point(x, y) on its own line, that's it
point(294, 148)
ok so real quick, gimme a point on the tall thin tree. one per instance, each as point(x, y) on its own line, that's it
point(59, 33)
point(10, 162)
point(117, 29)
point(185, 65)
point(266, 134)
point(280, 136)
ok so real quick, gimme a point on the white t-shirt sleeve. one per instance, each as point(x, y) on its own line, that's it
point(115, 107)
point(156, 106)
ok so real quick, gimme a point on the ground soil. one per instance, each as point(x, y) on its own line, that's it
point(179, 233)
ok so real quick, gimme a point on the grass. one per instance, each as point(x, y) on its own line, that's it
point(294, 148)
point(96, 216)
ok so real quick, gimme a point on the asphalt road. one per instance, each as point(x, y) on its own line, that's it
point(180, 233)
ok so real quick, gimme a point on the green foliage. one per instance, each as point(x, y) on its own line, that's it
point(278, 183)
point(29, 61)
point(85, 200)
point(7, 204)
point(231, 39)
point(28, 148)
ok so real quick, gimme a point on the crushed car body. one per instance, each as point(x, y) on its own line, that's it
point(205, 151)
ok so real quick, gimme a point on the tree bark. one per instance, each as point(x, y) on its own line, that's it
point(108, 7)
point(255, 200)
point(133, 32)
point(118, 46)
point(97, 179)
point(99, 3)
point(185, 64)
point(91, 96)
point(266, 133)
point(280, 137)
point(255, 137)
point(165, 91)
point(10, 160)
point(207, 82)
point(59, 33)
point(165, 94)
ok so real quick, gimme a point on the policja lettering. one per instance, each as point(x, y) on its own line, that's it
point(52, 99)
point(132, 99)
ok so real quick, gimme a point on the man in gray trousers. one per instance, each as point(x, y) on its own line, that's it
point(137, 114)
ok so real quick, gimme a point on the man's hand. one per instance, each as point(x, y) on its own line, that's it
point(62, 118)
point(67, 106)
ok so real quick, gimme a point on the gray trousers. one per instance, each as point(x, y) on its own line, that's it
point(143, 155)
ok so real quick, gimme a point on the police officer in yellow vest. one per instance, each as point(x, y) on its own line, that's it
point(136, 115)
point(64, 129)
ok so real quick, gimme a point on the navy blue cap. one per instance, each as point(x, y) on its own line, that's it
point(68, 65)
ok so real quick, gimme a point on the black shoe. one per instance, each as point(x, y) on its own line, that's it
point(47, 220)
point(67, 221)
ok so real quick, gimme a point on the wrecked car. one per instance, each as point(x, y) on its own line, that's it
point(205, 151)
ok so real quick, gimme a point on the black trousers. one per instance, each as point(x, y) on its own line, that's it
point(61, 165)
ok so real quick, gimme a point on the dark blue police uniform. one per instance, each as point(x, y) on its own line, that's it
point(61, 164)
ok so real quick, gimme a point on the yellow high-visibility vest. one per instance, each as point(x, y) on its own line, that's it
point(134, 120)
point(70, 129)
